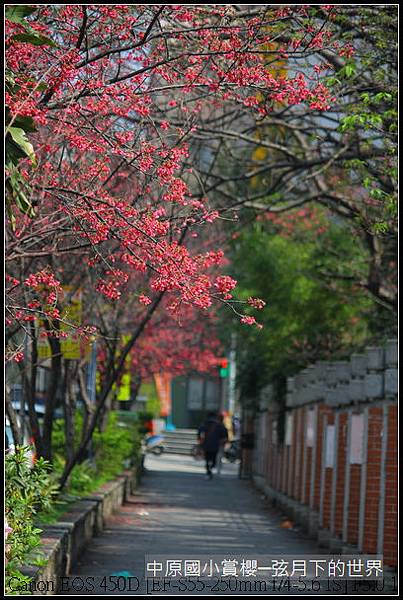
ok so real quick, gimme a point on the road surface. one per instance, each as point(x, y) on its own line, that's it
point(177, 514)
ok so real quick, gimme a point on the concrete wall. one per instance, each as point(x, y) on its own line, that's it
point(335, 472)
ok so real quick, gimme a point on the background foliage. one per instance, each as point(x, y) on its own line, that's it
point(306, 318)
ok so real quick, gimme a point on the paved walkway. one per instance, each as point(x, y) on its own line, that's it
point(177, 513)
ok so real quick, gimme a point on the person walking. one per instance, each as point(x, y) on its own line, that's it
point(212, 434)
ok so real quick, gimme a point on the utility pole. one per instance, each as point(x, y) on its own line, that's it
point(23, 399)
point(91, 373)
point(232, 375)
point(222, 394)
point(91, 383)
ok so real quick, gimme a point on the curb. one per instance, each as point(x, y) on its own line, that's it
point(64, 541)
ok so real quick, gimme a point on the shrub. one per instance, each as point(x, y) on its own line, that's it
point(28, 490)
point(116, 447)
point(113, 449)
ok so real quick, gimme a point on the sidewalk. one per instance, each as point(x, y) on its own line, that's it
point(176, 512)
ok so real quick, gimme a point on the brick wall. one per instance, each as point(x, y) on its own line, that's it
point(354, 505)
point(340, 473)
point(335, 472)
point(373, 479)
point(391, 500)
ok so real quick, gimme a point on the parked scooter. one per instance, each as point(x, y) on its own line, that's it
point(197, 452)
point(153, 444)
point(232, 452)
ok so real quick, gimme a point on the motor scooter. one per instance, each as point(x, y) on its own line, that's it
point(153, 444)
point(232, 452)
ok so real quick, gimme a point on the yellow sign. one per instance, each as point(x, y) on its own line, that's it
point(97, 382)
point(72, 313)
point(124, 387)
point(71, 346)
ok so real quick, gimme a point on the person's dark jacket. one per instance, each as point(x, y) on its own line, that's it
point(213, 434)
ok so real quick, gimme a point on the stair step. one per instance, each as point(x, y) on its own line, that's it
point(177, 451)
point(170, 444)
point(180, 439)
point(182, 432)
point(190, 431)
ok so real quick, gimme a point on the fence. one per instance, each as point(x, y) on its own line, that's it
point(334, 472)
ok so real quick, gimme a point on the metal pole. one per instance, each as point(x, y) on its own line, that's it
point(23, 400)
point(232, 375)
point(223, 404)
point(91, 384)
point(91, 373)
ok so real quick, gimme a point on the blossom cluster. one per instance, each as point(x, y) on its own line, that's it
point(114, 120)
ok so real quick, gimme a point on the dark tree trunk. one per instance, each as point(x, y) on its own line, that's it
point(112, 374)
point(51, 398)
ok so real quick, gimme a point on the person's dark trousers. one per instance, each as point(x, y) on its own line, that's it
point(210, 461)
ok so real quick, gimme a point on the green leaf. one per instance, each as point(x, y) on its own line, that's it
point(19, 137)
point(25, 123)
point(24, 205)
point(383, 96)
point(10, 215)
point(349, 70)
point(35, 39)
point(13, 151)
point(381, 227)
point(16, 14)
point(42, 87)
point(331, 81)
point(17, 188)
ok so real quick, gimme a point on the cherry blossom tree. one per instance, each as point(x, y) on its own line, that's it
point(112, 113)
point(115, 99)
point(343, 159)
